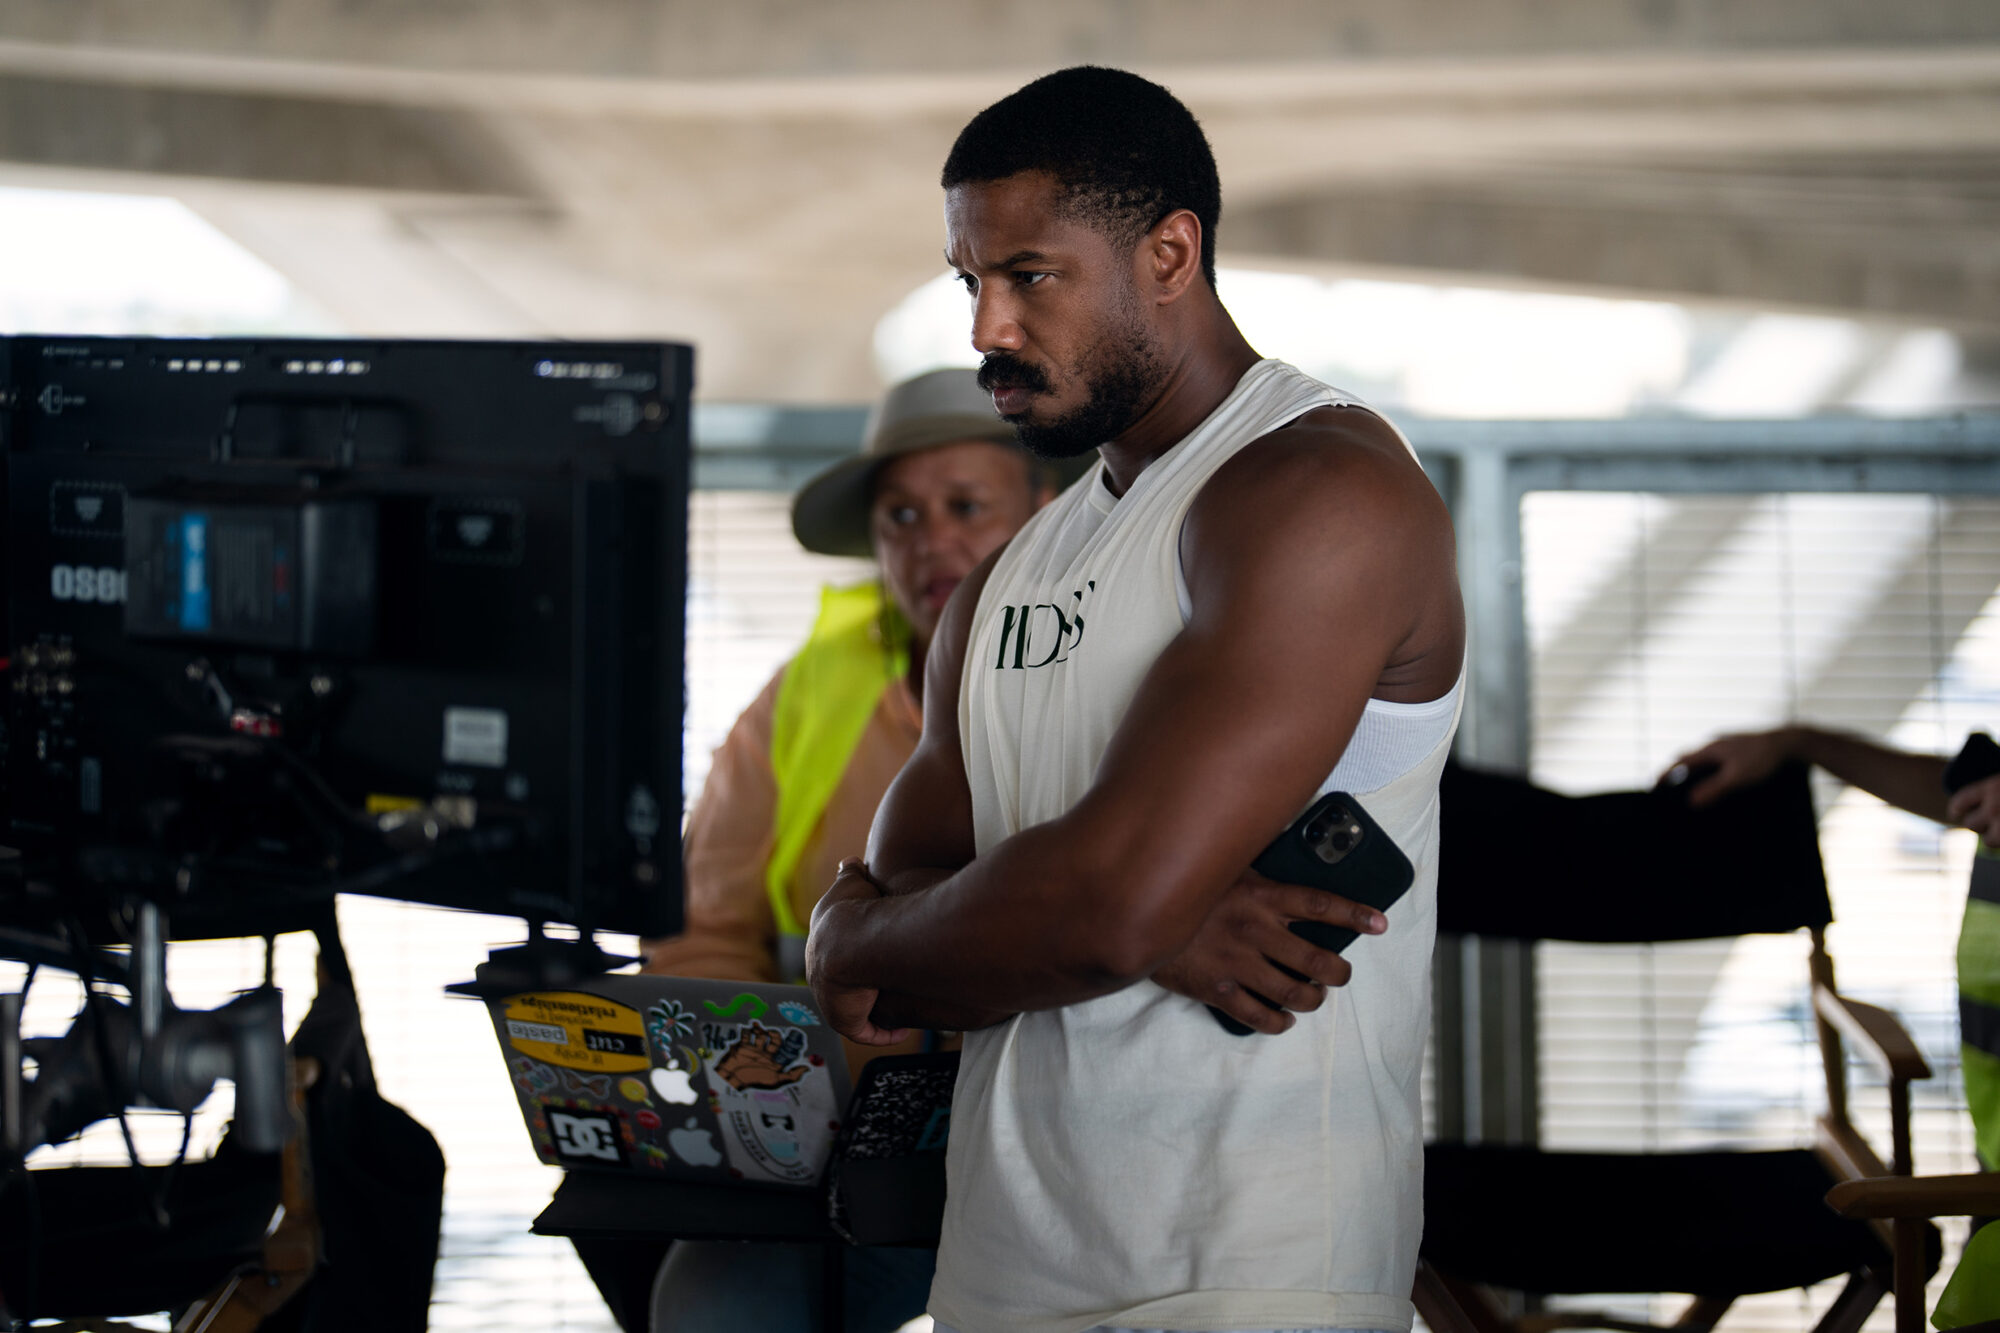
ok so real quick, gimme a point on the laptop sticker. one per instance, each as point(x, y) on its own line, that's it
point(590, 1138)
point(576, 1031)
point(670, 1024)
point(802, 1015)
point(762, 1057)
point(694, 1145)
point(673, 1083)
point(593, 1085)
point(756, 1004)
point(531, 1075)
point(776, 1106)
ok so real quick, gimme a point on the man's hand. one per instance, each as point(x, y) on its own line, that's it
point(1976, 806)
point(1740, 760)
point(847, 1008)
point(1238, 949)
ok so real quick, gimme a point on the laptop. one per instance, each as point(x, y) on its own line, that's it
point(718, 1082)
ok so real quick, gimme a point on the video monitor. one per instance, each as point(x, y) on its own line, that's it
point(288, 617)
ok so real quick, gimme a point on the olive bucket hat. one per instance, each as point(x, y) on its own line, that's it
point(830, 512)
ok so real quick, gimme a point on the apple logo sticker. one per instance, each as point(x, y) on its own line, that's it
point(694, 1146)
point(673, 1086)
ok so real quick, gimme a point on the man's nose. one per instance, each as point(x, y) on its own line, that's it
point(994, 327)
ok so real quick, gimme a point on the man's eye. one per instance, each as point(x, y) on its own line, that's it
point(970, 283)
point(1030, 279)
point(902, 515)
point(968, 508)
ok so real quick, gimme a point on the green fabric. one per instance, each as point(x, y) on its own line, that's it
point(1979, 988)
point(1982, 1098)
point(1973, 1294)
point(829, 691)
point(1979, 953)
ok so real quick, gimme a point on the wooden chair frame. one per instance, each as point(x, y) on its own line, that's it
point(292, 1250)
point(1905, 1203)
point(1454, 1306)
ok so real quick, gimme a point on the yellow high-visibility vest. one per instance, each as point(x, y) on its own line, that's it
point(1979, 1003)
point(1973, 1294)
point(858, 646)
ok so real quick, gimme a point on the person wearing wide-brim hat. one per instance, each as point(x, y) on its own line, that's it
point(939, 483)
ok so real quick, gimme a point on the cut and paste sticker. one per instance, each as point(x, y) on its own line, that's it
point(574, 1031)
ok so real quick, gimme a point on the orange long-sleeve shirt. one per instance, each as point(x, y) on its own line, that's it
point(730, 932)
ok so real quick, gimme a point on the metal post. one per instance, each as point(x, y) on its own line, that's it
point(149, 969)
point(1485, 989)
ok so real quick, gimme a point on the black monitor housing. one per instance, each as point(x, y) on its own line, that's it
point(287, 618)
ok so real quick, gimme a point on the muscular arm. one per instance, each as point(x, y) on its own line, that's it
point(1321, 569)
point(928, 813)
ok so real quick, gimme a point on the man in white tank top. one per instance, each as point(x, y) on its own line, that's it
point(1252, 599)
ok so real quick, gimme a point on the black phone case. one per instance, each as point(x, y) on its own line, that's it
point(1979, 759)
point(1375, 873)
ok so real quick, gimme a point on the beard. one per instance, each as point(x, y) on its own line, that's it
point(1122, 371)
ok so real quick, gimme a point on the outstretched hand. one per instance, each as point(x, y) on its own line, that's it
point(1247, 935)
point(1976, 806)
point(1739, 760)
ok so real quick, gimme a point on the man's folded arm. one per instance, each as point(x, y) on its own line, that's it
point(1231, 731)
point(923, 830)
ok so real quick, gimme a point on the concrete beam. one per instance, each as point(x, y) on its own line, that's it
point(1927, 251)
point(761, 177)
point(699, 40)
point(271, 137)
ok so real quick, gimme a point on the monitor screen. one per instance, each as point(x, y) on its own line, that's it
point(287, 617)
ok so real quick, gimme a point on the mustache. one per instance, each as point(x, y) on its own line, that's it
point(1002, 370)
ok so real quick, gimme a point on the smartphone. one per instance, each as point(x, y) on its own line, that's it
point(1334, 846)
point(1979, 759)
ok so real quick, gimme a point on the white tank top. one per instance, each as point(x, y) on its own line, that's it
point(1124, 1161)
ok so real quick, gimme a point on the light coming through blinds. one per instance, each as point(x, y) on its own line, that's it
point(1656, 622)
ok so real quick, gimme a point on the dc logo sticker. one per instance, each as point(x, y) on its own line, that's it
point(586, 1136)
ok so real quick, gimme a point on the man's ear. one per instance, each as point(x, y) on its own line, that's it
point(1170, 255)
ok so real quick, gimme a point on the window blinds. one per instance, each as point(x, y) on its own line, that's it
point(1656, 622)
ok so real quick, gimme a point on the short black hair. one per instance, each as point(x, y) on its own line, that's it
point(1124, 151)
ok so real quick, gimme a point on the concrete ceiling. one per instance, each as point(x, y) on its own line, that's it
point(759, 177)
